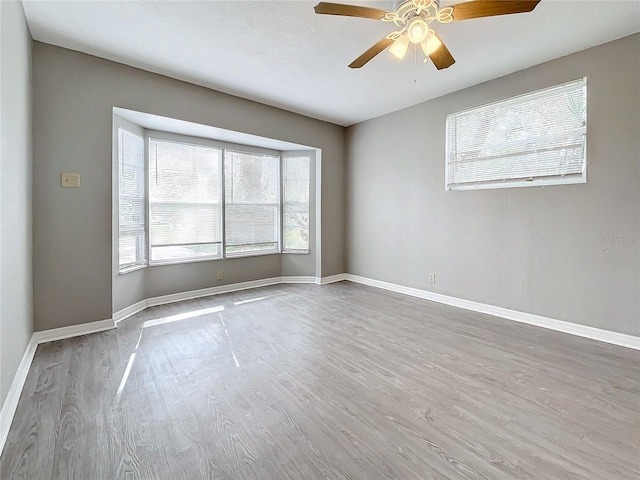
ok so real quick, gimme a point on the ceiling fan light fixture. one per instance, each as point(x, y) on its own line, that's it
point(399, 47)
point(417, 30)
point(431, 43)
point(413, 18)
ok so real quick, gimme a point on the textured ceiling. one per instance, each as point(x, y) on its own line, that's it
point(282, 54)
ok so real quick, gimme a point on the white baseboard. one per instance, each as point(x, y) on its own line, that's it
point(232, 287)
point(45, 336)
point(331, 279)
point(11, 401)
point(298, 279)
point(129, 311)
point(204, 292)
point(317, 280)
point(73, 331)
point(615, 338)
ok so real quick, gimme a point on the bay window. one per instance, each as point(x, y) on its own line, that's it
point(184, 199)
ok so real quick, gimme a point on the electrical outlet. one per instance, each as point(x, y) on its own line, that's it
point(432, 278)
point(220, 275)
point(70, 180)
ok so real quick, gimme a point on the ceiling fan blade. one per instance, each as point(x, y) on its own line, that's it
point(372, 52)
point(326, 8)
point(442, 57)
point(490, 8)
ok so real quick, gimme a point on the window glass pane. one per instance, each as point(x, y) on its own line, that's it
point(131, 200)
point(541, 135)
point(296, 203)
point(130, 246)
point(181, 223)
point(184, 201)
point(251, 203)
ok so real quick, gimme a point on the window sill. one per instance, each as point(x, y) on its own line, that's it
point(536, 182)
point(163, 263)
point(130, 269)
point(296, 252)
point(252, 254)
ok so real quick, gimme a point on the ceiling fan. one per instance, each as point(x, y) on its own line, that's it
point(413, 18)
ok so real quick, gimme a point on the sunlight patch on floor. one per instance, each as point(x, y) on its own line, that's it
point(125, 377)
point(242, 302)
point(233, 354)
point(182, 316)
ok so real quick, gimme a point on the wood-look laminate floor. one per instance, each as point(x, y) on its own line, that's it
point(336, 382)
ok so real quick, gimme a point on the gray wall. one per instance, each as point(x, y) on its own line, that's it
point(74, 95)
point(567, 252)
point(16, 286)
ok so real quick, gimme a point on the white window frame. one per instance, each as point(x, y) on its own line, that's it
point(185, 140)
point(256, 151)
point(146, 134)
point(509, 183)
point(142, 255)
point(178, 138)
point(284, 157)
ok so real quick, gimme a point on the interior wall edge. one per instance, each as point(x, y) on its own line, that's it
point(607, 336)
point(10, 404)
point(51, 335)
point(16, 192)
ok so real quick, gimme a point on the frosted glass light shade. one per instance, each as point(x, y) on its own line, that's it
point(417, 30)
point(431, 43)
point(399, 47)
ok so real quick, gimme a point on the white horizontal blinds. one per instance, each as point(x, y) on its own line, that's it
point(251, 203)
point(541, 135)
point(131, 200)
point(295, 210)
point(185, 201)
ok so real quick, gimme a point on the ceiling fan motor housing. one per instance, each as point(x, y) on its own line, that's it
point(405, 10)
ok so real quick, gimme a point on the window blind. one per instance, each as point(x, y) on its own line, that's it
point(251, 203)
point(185, 201)
point(295, 210)
point(538, 136)
point(131, 200)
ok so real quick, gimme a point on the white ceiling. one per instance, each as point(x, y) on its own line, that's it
point(281, 53)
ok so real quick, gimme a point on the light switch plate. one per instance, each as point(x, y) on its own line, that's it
point(70, 180)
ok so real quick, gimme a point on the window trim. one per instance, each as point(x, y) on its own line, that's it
point(207, 142)
point(519, 182)
point(278, 204)
point(188, 140)
point(139, 128)
point(132, 268)
point(144, 261)
point(294, 251)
